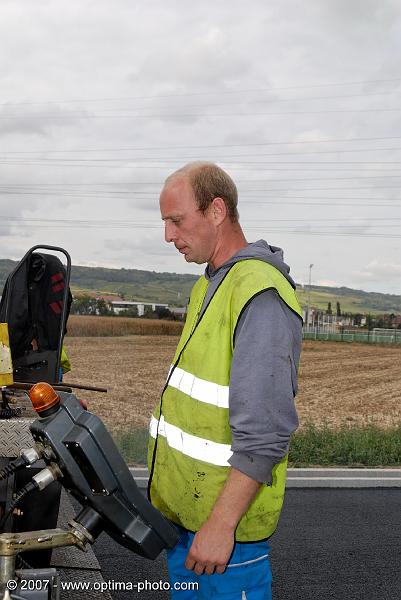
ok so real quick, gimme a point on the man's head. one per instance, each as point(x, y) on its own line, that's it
point(208, 181)
point(198, 204)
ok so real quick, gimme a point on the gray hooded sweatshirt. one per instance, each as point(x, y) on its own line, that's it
point(263, 378)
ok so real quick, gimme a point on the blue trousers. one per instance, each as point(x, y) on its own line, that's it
point(247, 576)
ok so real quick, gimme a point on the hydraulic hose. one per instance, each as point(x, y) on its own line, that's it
point(39, 482)
point(12, 467)
point(28, 457)
point(27, 489)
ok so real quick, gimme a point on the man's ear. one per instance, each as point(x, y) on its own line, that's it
point(219, 210)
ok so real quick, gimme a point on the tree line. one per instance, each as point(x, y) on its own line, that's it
point(384, 321)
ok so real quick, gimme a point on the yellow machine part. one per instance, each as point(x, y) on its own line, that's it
point(6, 365)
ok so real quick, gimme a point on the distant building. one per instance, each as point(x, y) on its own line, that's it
point(319, 318)
point(110, 298)
point(179, 313)
point(121, 305)
point(397, 321)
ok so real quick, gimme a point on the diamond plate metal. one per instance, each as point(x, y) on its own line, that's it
point(14, 435)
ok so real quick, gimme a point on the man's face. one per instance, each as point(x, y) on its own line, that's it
point(193, 233)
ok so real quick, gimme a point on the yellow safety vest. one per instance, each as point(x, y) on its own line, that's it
point(190, 435)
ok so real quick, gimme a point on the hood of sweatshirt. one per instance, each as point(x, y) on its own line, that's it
point(260, 250)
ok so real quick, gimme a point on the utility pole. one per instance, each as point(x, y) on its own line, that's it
point(310, 284)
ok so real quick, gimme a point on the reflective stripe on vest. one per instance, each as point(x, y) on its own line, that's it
point(191, 445)
point(199, 389)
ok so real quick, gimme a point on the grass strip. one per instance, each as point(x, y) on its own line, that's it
point(367, 446)
point(133, 445)
point(311, 446)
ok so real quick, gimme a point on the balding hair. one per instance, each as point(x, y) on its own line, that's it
point(209, 181)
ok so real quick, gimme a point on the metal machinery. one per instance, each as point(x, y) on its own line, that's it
point(79, 452)
point(66, 446)
point(34, 310)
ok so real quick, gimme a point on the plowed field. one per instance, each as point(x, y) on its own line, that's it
point(340, 383)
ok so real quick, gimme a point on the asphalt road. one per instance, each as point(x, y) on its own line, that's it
point(342, 544)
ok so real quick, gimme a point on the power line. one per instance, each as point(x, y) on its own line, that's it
point(226, 157)
point(330, 234)
point(242, 145)
point(226, 161)
point(300, 153)
point(266, 229)
point(330, 204)
point(247, 166)
point(292, 166)
point(246, 198)
point(117, 224)
point(219, 92)
point(122, 194)
point(134, 222)
point(94, 193)
point(199, 116)
point(88, 163)
point(241, 102)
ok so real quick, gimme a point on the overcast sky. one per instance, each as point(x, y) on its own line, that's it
point(299, 101)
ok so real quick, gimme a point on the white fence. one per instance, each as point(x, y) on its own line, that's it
point(375, 336)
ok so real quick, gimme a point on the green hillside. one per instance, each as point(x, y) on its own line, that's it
point(131, 284)
point(174, 289)
point(351, 301)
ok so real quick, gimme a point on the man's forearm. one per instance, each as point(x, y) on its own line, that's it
point(213, 544)
point(235, 498)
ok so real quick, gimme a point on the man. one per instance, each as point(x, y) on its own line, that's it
point(219, 437)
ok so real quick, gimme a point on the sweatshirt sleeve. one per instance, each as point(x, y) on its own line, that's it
point(263, 384)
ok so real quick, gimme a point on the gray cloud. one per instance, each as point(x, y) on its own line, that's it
point(28, 120)
point(244, 77)
point(378, 271)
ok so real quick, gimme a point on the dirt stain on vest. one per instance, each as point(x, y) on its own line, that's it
point(197, 494)
point(222, 321)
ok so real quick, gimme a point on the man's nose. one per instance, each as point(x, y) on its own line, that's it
point(170, 232)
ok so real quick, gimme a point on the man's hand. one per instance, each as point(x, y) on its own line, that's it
point(213, 544)
point(211, 548)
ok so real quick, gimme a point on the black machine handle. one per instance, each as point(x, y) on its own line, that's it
point(65, 296)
